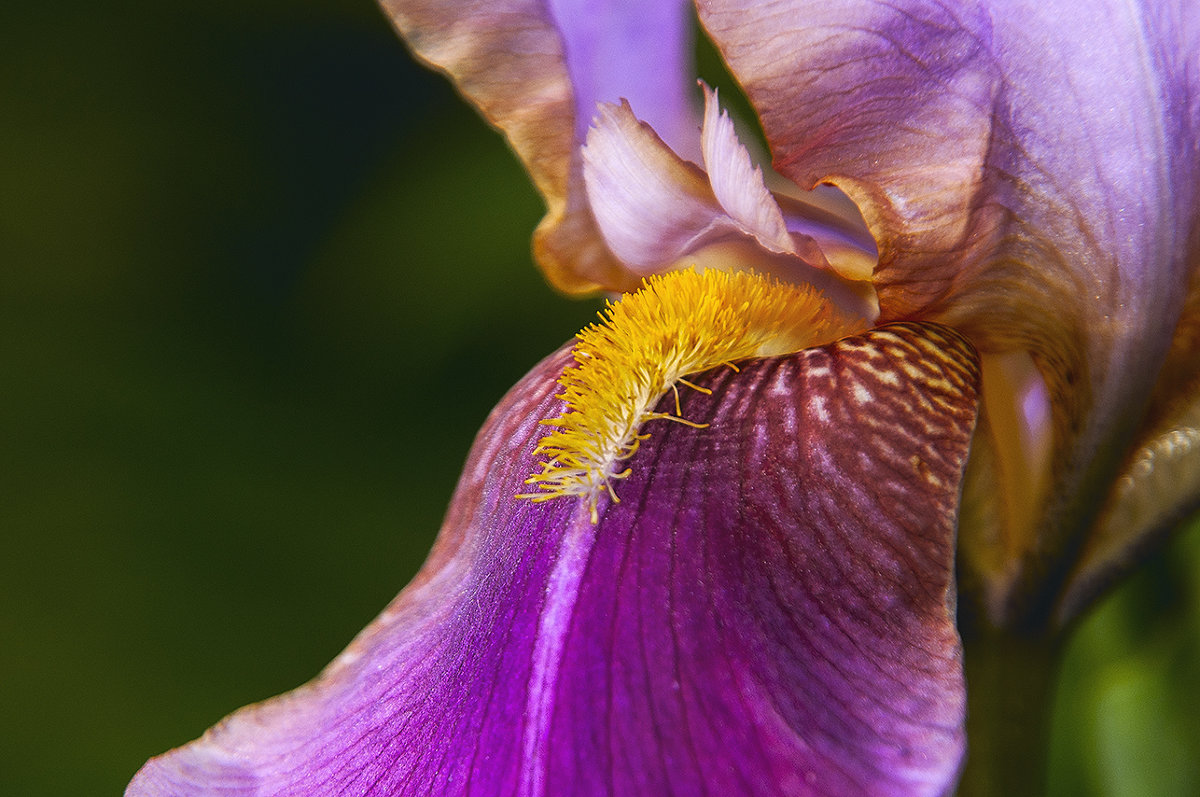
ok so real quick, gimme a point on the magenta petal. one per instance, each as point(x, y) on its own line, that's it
point(768, 610)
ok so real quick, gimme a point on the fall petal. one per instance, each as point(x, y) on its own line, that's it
point(801, 652)
point(769, 609)
point(447, 663)
point(535, 71)
point(1009, 158)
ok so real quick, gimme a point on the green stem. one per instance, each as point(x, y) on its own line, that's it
point(1010, 686)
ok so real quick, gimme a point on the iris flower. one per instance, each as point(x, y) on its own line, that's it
point(927, 383)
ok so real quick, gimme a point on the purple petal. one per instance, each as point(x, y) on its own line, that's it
point(768, 609)
point(639, 51)
point(536, 71)
point(1031, 173)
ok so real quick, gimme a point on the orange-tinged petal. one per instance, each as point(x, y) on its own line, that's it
point(536, 71)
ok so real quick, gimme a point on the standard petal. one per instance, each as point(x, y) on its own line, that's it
point(536, 70)
point(1030, 172)
point(769, 608)
point(889, 101)
point(636, 51)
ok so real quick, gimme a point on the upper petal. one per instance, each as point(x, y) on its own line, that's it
point(1030, 171)
point(536, 70)
point(890, 101)
point(769, 609)
point(1159, 482)
point(635, 51)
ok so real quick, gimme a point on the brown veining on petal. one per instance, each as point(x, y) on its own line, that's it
point(1031, 184)
point(879, 373)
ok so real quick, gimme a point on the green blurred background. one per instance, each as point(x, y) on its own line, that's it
point(261, 279)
